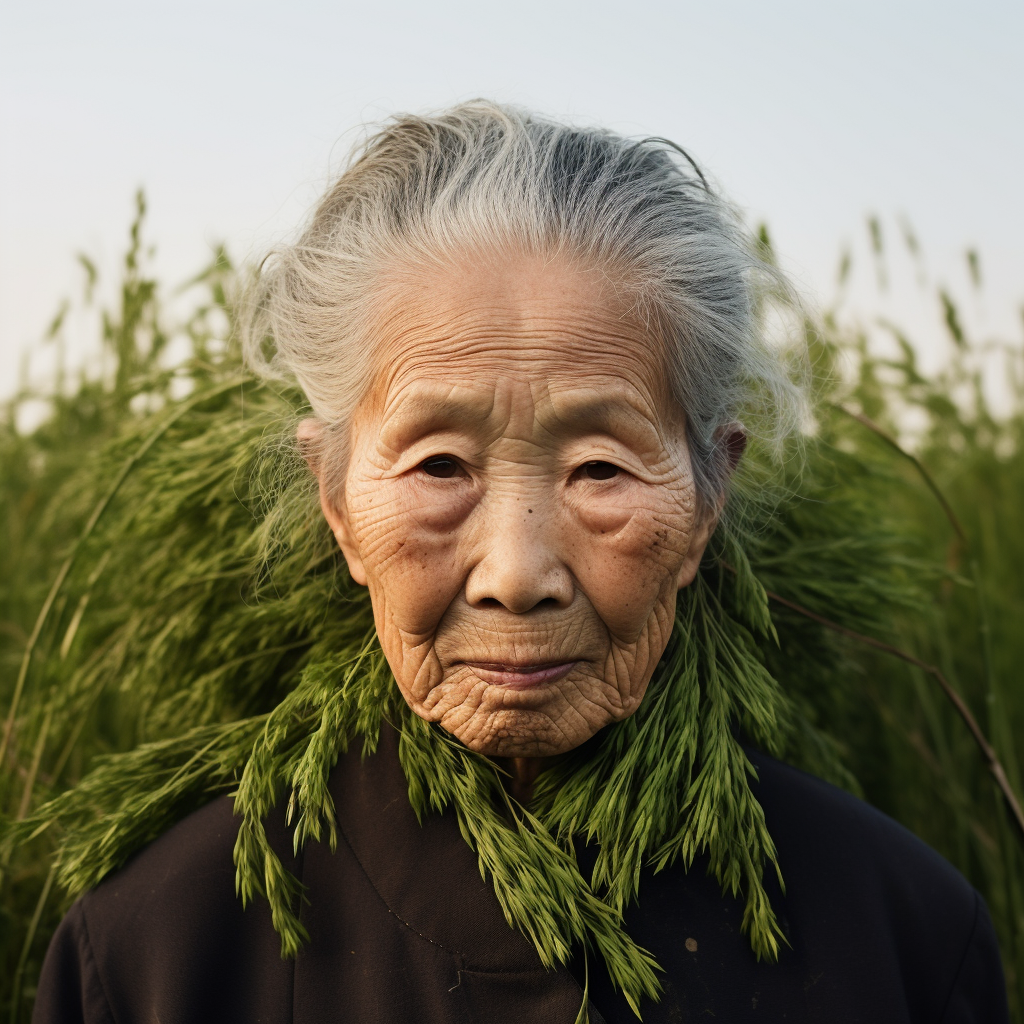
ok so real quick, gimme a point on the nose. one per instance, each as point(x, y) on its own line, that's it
point(522, 566)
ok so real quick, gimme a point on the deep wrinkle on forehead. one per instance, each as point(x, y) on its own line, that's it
point(516, 334)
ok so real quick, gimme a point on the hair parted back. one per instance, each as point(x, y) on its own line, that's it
point(482, 177)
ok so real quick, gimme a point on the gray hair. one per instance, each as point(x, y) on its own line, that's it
point(481, 176)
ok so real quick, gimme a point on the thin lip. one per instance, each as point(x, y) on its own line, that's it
point(521, 675)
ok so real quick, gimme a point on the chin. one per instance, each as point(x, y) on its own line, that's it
point(516, 733)
point(535, 721)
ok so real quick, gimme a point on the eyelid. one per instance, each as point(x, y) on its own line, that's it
point(620, 459)
point(598, 446)
point(415, 455)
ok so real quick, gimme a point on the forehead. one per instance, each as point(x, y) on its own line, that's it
point(499, 323)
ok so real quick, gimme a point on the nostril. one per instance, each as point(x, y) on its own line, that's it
point(519, 577)
point(493, 604)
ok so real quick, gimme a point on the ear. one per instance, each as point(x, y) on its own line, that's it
point(308, 435)
point(703, 529)
point(731, 438)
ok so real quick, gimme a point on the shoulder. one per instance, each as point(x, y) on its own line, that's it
point(184, 876)
point(179, 865)
point(166, 933)
point(863, 890)
point(830, 836)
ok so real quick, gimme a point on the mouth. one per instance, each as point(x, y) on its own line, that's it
point(521, 676)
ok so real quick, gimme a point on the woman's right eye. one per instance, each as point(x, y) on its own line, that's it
point(440, 466)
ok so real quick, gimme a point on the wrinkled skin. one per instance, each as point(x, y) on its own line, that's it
point(520, 502)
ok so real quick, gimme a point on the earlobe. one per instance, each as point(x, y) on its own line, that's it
point(691, 563)
point(308, 434)
point(733, 439)
point(338, 523)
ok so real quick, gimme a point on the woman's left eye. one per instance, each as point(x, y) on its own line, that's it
point(599, 470)
point(442, 466)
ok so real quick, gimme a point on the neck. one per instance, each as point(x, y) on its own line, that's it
point(522, 774)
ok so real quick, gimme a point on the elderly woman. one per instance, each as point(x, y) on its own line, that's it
point(525, 347)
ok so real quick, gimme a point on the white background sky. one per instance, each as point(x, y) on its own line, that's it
point(809, 113)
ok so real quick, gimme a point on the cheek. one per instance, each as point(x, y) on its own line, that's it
point(407, 538)
point(628, 552)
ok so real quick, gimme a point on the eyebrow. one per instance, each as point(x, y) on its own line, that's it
point(601, 407)
point(428, 407)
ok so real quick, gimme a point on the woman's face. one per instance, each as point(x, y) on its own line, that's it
point(520, 502)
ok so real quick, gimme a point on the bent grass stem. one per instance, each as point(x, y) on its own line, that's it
point(992, 761)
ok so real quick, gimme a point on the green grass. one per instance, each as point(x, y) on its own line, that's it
point(916, 543)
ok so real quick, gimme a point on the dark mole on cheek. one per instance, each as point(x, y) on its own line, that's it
point(529, 510)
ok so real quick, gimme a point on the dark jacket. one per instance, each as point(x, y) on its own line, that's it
point(403, 928)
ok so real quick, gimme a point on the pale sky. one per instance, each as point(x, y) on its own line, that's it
point(231, 115)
